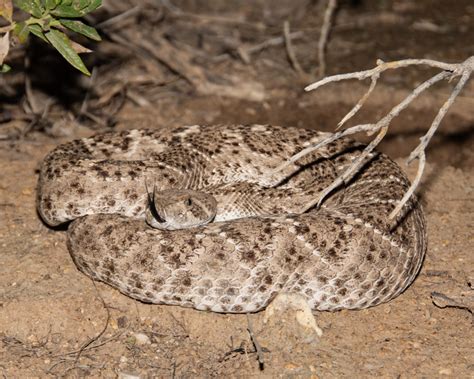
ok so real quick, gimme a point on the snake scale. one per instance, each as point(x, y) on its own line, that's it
point(342, 255)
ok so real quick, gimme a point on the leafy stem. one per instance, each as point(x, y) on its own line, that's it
point(48, 20)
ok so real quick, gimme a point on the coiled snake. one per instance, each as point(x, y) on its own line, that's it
point(253, 241)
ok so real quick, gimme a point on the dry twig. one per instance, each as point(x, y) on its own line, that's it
point(275, 41)
point(115, 21)
point(258, 348)
point(246, 52)
point(90, 85)
point(450, 71)
point(234, 19)
point(289, 48)
point(443, 301)
point(95, 338)
point(181, 63)
point(323, 38)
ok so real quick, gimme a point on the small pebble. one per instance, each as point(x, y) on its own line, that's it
point(126, 375)
point(297, 303)
point(141, 339)
point(445, 371)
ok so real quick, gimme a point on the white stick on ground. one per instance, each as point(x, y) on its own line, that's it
point(450, 71)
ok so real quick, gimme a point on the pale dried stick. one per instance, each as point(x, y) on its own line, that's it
point(383, 66)
point(332, 137)
point(351, 171)
point(246, 52)
point(419, 173)
point(382, 124)
point(451, 71)
point(289, 48)
point(368, 128)
point(361, 102)
point(275, 41)
point(419, 152)
point(115, 21)
point(323, 38)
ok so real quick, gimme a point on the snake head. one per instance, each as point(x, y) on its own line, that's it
point(179, 209)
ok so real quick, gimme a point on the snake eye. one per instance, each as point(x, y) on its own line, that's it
point(188, 202)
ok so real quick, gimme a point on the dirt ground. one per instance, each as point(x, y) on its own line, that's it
point(55, 322)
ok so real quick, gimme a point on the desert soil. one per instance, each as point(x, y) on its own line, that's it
point(55, 322)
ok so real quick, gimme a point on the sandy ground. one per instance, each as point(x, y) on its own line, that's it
point(55, 322)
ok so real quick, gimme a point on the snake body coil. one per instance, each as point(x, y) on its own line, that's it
point(343, 255)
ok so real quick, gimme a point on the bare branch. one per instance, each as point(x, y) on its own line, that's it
point(419, 152)
point(368, 128)
point(442, 112)
point(383, 66)
point(258, 348)
point(112, 22)
point(323, 38)
point(275, 41)
point(360, 103)
point(450, 71)
point(421, 167)
point(289, 48)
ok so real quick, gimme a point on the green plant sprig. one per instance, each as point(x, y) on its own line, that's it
point(48, 20)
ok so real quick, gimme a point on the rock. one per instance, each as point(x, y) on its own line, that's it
point(292, 303)
point(141, 339)
point(126, 375)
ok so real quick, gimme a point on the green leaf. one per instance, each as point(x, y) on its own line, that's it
point(81, 28)
point(22, 31)
point(81, 4)
point(4, 68)
point(93, 5)
point(37, 31)
point(63, 10)
point(77, 8)
point(51, 4)
point(32, 7)
point(61, 43)
point(6, 9)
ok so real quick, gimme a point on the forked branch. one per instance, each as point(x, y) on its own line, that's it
point(450, 71)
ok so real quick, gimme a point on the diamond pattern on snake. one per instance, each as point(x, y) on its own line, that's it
point(191, 216)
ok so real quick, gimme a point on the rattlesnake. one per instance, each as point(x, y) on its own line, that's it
point(342, 255)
